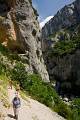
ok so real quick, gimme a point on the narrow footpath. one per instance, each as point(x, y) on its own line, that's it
point(31, 110)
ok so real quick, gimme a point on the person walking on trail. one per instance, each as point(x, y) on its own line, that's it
point(16, 105)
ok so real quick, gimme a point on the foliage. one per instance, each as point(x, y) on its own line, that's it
point(9, 54)
point(2, 68)
point(3, 90)
point(18, 73)
point(43, 92)
point(65, 47)
point(34, 85)
point(75, 108)
point(35, 12)
point(76, 103)
point(39, 90)
point(3, 49)
point(63, 110)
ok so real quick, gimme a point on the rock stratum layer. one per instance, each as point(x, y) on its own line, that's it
point(19, 31)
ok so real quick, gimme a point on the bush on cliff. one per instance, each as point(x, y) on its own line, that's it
point(64, 47)
point(75, 108)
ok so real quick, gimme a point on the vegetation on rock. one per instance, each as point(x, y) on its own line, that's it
point(44, 93)
point(64, 47)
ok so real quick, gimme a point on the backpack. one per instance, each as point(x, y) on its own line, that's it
point(16, 103)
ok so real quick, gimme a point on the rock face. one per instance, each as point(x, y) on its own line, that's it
point(20, 32)
point(66, 68)
point(66, 17)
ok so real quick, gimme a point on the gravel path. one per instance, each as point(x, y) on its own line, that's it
point(31, 110)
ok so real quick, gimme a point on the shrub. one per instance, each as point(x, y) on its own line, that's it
point(3, 49)
point(63, 110)
point(76, 103)
point(75, 108)
point(2, 68)
point(34, 85)
point(39, 90)
point(18, 73)
point(65, 47)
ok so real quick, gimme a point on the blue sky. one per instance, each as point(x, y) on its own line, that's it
point(49, 7)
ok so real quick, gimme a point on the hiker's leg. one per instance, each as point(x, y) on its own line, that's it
point(17, 113)
point(14, 111)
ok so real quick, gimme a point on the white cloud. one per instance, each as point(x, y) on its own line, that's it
point(45, 21)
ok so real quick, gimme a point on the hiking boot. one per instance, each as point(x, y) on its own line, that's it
point(16, 117)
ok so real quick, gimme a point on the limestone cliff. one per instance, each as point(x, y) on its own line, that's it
point(66, 17)
point(19, 31)
point(61, 47)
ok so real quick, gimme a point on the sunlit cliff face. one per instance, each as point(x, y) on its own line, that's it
point(8, 27)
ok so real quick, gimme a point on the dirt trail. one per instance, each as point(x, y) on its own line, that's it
point(31, 110)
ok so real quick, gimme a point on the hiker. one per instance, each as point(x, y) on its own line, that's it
point(10, 84)
point(16, 105)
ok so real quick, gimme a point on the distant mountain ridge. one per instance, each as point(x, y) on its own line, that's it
point(66, 17)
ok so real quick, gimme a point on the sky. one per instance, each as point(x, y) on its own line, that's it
point(48, 8)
